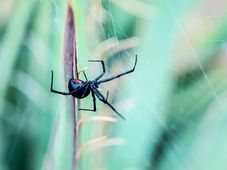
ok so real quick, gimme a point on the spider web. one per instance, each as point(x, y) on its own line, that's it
point(117, 30)
point(220, 104)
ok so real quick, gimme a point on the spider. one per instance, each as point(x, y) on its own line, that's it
point(81, 89)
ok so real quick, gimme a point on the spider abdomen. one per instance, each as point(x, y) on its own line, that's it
point(82, 88)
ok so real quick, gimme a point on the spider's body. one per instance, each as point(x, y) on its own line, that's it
point(81, 89)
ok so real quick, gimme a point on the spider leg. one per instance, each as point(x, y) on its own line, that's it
point(103, 68)
point(85, 91)
point(56, 91)
point(94, 103)
point(102, 98)
point(119, 75)
point(85, 75)
point(107, 95)
point(59, 92)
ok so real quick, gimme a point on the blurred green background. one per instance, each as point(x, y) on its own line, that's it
point(175, 102)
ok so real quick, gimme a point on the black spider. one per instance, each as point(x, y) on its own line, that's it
point(81, 89)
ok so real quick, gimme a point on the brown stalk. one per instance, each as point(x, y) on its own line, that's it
point(70, 70)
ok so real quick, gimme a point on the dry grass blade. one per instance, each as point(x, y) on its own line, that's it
point(97, 144)
point(112, 46)
point(94, 118)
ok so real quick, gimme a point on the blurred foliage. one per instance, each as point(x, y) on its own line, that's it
point(174, 102)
